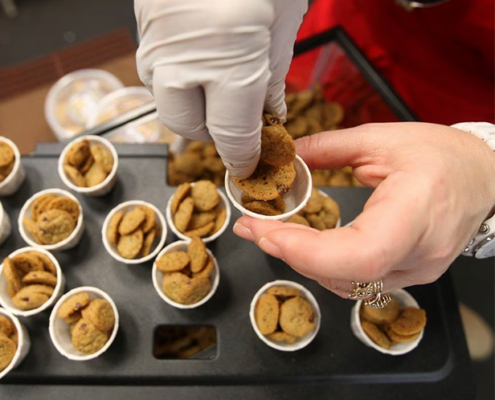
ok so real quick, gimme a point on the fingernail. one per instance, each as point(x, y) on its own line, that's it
point(243, 232)
point(269, 248)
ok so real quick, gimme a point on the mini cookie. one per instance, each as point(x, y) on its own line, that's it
point(315, 202)
point(316, 222)
point(205, 195)
point(6, 154)
point(270, 120)
point(78, 153)
point(54, 226)
point(7, 352)
point(375, 334)
point(131, 221)
point(201, 232)
point(173, 285)
point(173, 261)
point(48, 265)
point(87, 338)
point(277, 146)
point(411, 320)
point(130, 245)
point(298, 219)
point(189, 163)
point(41, 277)
point(87, 165)
point(12, 276)
point(103, 157)
point(266, 314)
point(6, 326)
point(284, 291)
point(65, 204)
point(184, 214)
point(328, 219)
point(381, 316)
point(221, 217)
point(197, 254)
point(180, 194)
point(15, 338)
point(95, 175)
point(394, 337)
point(207, 270)
point(75, 175)
point(38, 288)
point(26, 262)
point(100, 314)
point(113, 227)
point(5, 171)
point(297, 317)
point(39, 205)
point(201, 219)
point(149, 238)
point(268, 182)
point(184, 290)
point(149, 220)
point(73, 318)
point(281, 336)
point(261, 207)
point(26, 299)
point(73, 305)
point(278, 204)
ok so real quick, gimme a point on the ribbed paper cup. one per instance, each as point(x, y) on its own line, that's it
point(157, 276)
point(295, 199)
point(405, 300)
point(14, 180)
point(207, 239)
point(7, 302)
point(300, 343)
point(102, 188)
point(126, 207)
point(60, 332)
point(68, 243)
point(23, 343)
point(5, 225)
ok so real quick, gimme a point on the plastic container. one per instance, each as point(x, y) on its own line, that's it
point(125, 207)
point(5, 225)
point(405, 300)
point(157, 276)
point(5, 299)
point(295, 199)
point(67, 243)
point(302, 342)
point(59, 329)
point(14, 180)
point(23, 343)
point(104, 187)
point(207, 239)
point(75, 97)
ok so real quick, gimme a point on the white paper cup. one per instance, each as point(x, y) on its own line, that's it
point(157, 276)
point(302, 342)
point(405, 300)
point(102, 188)
point(23, 343)
point(223, 201)
point(67, 243)
point(5, 225)
point(59, 329)
point(125, 207)
point(13, 182)
point(295, 199)
point(5, 299)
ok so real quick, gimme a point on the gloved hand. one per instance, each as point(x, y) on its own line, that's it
point(214, 65)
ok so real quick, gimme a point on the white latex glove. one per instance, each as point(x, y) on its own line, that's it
point(214, 65)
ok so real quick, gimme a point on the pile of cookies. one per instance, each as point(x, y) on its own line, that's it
point(200, 161)
point(133, 232)
point(187, 276)
point(31, 278)
point(90, 321)
point(88, 164)
point(7, 160)
point(53, 218)
point(197, 210)
point(320, 212)
point(392, 325)
point(8, 342)
point(283, 315)
point(275, 173)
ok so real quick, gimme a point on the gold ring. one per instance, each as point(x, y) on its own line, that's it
point(371, 292)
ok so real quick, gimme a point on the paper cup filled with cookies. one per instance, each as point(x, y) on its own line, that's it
point(281, 184)
point(14, 342)
point(89, 165)
point(31, 281)
point(320, 212)
point(12, 172)
point(52, 219)
point(285, 315)
point(134, 232)
point(186, 274)
point(395, 329)
point(198, 209)
point(84, 323)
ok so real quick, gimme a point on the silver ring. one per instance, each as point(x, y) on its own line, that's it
point(371, 293)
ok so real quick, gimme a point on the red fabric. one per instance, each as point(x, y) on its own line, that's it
point(440, 59)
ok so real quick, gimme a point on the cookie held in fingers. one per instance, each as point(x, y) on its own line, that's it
point(277, 146)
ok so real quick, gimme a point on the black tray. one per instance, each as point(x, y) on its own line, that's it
point(335, 363)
